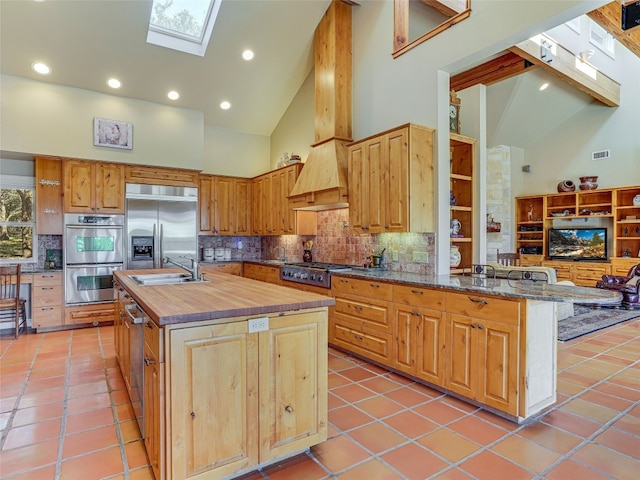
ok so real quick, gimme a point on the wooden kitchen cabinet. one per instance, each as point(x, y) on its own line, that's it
point(233, 268)
point(264, 273)
point(483, 353)
point(152, 175)
point(461, 204)
point(153, 392)
point(94, 314)
point(93, 187)
point(47, 300)
point(225, 205)
point(263, 390)
point(49, 196)
point(391, 183)
point(584, 274)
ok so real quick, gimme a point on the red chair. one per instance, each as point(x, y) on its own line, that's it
point(628, 286)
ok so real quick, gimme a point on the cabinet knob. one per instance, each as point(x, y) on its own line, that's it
point(480, 327)
point(473, 325)
point(288, 409)
point(374, 285)
point(417, 292)
point(148, 361)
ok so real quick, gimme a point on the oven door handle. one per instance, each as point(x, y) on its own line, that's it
point(93, 265)
point(134, 320)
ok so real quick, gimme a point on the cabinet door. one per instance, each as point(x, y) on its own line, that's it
point(397, 170)
point(205, 203)
point(125, 354)
point(290, 223)
point(109, 195)
point(429, 364)
point(214, 400)
point(224, 206)
point(293, 401)
point(405, 337)
point(374, 214)
point(357, 187)
point(153, 408)
point(461, 353)
point(243, 207)
point(278, 185)
point(266, 208)
point(49, 215)
point(497, 365)
point(256, 196)
point(79, 186)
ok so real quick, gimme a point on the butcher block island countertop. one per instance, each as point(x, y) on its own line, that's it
point(235, 372)
point(222, 297)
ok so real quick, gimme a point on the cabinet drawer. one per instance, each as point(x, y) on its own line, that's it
point(47, 316)
point(486, 308)
point(47, 295)
point(590, 274)
point(231, 268)
point(367, 288)
point(370, 314)
point(103, 312)
point(422, 297)
point(47, 279)
point(153, 338)
point(368, 343)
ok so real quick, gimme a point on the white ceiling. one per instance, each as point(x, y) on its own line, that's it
point(85, 42)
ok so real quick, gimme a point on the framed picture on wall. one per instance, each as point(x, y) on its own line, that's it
point(112, 133)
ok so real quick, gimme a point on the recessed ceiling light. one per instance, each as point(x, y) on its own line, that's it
point(225, 105)
point(114, 83)
point(41, 68)
point(544, 86)
point(247, 55)
point(173, 95)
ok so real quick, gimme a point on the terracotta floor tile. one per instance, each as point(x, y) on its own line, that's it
point(628, 378)
point(93, 466)
point(120, 396)
point(410, 424)
point(25, 416)
point(477, 430)
point(11, 391)
point(371, 470)
point(571, 423)
point(352, 393)
point(14, 378)
point(332, 401)
point(85, 404)
point(86, 377)
point(551, 437)
point(629, 424)
point(621, 442)
point(357, 373)
point(130, 431)
point(439, 412)
point(590, 410)
point(336, 364)
point(569, 470)
point(380, 384)
point(117, 383)
point(526, 453)
point(300, 467)
point(145, 473)
point(42, 397)
point(486, 464)
point(379, 407)
point(451, 474)
point(407, 396)
point(348, 417)
point(567, 387)
point(6, 369)
point(609, 401)
point(45, 383)
point(85, 389)
point(338, 453)
point(4, 419)
point(49, 371)
point(336, 380)
point(375, 368)
point(618, 391)
point(89, 420)
point(414, 462)
point(42, 473)
point(34, 433)
point(430, 392)
point(377, 437)
point(459, 404)
point(577, 379)
point(30, 456)
point(136, 454)
point(399, 379)
point(496, 420)
point(89, 441)
point(448, 444)
point(608, 462)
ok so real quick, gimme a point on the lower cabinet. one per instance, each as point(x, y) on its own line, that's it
point(46, 310)
point(584, 274)
point(89, 314)
point(238, 399)
point(153, 397)
point(264, 273)
point(233, 268)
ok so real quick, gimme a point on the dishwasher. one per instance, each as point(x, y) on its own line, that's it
point(136, 359)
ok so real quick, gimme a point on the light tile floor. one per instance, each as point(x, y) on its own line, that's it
point(64, 414)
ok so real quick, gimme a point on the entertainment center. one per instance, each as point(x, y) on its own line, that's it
point(583, 234)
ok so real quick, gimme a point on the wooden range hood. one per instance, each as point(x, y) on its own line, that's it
point(322, 184)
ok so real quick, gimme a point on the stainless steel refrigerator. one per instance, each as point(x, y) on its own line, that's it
point(161, 221)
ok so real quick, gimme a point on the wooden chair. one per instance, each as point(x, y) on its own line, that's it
point(12, 307)
point(528, 276)
point(508, 259)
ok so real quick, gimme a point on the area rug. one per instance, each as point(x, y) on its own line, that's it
point(587, 319)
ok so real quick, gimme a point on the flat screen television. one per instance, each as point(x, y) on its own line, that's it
point(577, 243)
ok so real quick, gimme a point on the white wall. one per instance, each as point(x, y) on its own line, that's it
point(227, 152)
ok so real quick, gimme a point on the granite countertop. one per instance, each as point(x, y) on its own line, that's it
point(492, 286)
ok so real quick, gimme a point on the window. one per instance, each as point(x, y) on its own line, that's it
point(18, 238)
point(183, 25)
point(574, 24)
point(599, 37)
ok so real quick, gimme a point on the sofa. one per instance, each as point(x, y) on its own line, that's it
point(628, 286)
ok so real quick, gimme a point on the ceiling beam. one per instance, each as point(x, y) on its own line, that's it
point(566, 66)
point(505, 66)
point(609, 17)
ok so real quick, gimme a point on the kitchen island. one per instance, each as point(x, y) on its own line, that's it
point(235, 372)
point(491, 342)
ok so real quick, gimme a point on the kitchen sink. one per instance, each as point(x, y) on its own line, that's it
point(164, 279)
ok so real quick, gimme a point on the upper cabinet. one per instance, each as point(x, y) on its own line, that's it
point(176, 177)
point(225, 205)
point(93, 187)
point(49, 215)
point(391, 183)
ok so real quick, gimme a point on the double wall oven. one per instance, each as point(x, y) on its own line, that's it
point(94, 247)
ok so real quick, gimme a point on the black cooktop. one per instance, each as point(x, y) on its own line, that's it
point(319, 265)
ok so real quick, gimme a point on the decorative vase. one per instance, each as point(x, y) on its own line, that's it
point(636, 201)
point(566, 186)
point(454, 256)
point(589, 183)
point(306, 256)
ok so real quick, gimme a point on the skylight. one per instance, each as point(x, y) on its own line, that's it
point(183, 25)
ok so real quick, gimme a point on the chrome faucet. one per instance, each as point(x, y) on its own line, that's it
point(283, 257)
point(194, 270)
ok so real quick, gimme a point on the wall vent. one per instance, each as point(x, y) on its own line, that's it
point(601, 155)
